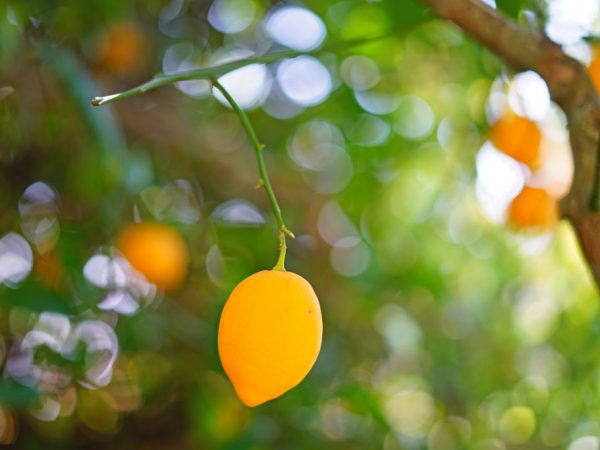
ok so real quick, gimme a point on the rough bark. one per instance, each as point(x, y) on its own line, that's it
point(570, 87)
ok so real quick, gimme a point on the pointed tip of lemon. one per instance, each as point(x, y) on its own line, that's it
point(249, 398)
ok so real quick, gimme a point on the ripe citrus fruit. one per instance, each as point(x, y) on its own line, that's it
point(50, 269)
point(533, 208)
point(518, 137)
point(123, 49)
point(269, 334)
point(594, 69)
point(157, 251)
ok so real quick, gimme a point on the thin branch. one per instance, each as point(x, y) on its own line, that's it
point(212, 74)
point(209, 73)
point(262, 170)
point(205, 73)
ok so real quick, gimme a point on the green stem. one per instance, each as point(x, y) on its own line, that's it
point(208, 73)
point(262, 170)
point(213, 73)
point(280, 264)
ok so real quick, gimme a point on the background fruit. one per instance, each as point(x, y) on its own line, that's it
point(518, 137)
point(533, 208)
point(269, 334)
point(123, 49)
point(158, 251)
point(594, 69)
point(50, 270)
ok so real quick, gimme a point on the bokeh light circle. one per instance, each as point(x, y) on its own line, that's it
point(295, 27)
point(231, 16)
point(304, 80)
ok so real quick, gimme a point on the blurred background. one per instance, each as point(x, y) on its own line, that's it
point(444, 327)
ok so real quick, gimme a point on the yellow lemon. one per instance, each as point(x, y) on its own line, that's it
point(269, 334)
point(157, 250)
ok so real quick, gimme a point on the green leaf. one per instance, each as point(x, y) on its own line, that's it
point(36, 297)
point(17, 395)
point(511, 8)
point(407, 12)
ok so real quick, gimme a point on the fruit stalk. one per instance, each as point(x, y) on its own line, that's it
point(262, 170)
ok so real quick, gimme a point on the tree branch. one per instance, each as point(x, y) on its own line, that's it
point(205, 73)
point(570, 87)
point(213, 72)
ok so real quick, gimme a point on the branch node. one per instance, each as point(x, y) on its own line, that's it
point(287, 232)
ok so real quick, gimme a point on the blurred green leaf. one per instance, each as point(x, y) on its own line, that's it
point(16, 395)
point(34, 296)
point(407, 13)
point(512, 8)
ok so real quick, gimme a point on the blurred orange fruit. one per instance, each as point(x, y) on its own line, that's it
point(533, 208)
point(50, 270)
point(594, 69)
point(518, 137)
point(156, 250)
point(123, 49)
point(8, 426)
point(269, 334)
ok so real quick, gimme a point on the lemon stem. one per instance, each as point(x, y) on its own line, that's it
point(280, 265)
point(262, 170)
